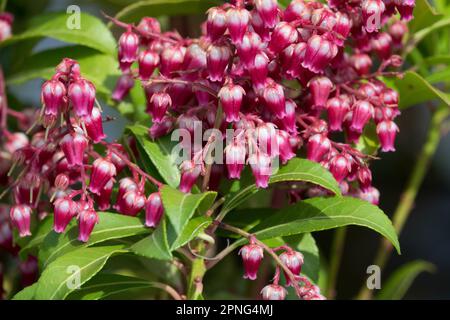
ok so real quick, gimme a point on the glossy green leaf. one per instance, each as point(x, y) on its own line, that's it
point(439, 76)
point(318, 214)
point(92, 33)
point(194, 227)
point(368, 143)
point(401, 280)
point(38, 236)
point(295, 170)
point(26, 293)
point(104, 285)
point(110, 226)
point(57, 280)
point(424, 16)
point(157, 155)
point(414, 89)
point(156, 245)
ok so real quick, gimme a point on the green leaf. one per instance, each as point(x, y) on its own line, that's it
point(399, 282)
point(104, 285)
point(110, 226)
point(179, 208)
point(422, 34)
point(318, 214)
point(295, 170)
point(194, 227)
point(155, 8)
point(414, 89)
point(38, 236)
point(26, 293)
point(439, 76)
point(157, 154)
point(438, 59)
point(368, 143)
point(98, 67)
point(55, 282)
point(156, 245)
point(92, 33)
point(424, 16)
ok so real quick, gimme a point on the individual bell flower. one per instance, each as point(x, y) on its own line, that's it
point(148, 61)
point(342, 27)
point(123, 86)
point(363, 111)
point(231, 96)
point(125, 185)
point(382, 45)
point(94, 126)
point(273, 292)
point(237, 22)
point(284, 146)
point(64, 210)
point(53, 97)
point(274, 99)
point(235, 154)
point(296, 10)
point(102, 171)
point(266, 136)
point(405, 8)
point(372, 11)
point(216, 23)
point(248, 48)
point(87, 219)
point(340, 167)
point(62, 181)
point(259, 26)
point(81, 95)
point(130, 203)
point(261, 166)
point(6, 21)
point(172, 59)
point(158, 130)
point(258, 69)
point(153, 210)
point(387, 131)
point(103, 200)
point(190, 171)
point(252, 255)
point(390, 98)
point(195, 59)
point(268, 11)
point(289, 121)
point(319, 52)
point(73, 146)
point(364, 176)
point(118, 157)
point(20, 218)
point(320, 90)
point(217, 59)
point(160, 102)
point(317, 147)
point(283, 35)
point(293, 260)
point(398, 30)
point(128, 46)
point(371, 195)
point(337, 108)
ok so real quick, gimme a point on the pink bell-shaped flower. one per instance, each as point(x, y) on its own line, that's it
point(252, 255)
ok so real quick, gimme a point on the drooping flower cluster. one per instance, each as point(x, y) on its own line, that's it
point(58, 170)
point(282, 78)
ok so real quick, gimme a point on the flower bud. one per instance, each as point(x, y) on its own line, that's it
point(296, 10)
point(364, 176)
point(123, 86)
point(320, 90)
point(53, 97)
point(190, 171)
point(148, 61)
point(405, 8)
point(20, 218)
point(6, 20)
point(216, 23)
point(337, 108)
point(103, 200)
point(82, 97)
point(361, 62)
point(387, 131)
point(268, 10)
point(252, 255)
point(261, 166)
point(172, 59)
point(73, 145)
point(381, 44)
point(273, 292)
point(266, 136)
point(160, 103)
point(158, 130)
point(62, 181)
point(397, 31)
point(237, 22)
point(293, 260)
point(342, 27)
point(64, 210)
point(371, 195)
point(230, 97)
point(372, 10)
point(317, 147)
point(259, 26)
point(273, 96)
point(125, 185)
point(235, 159)
point(102, 171)
point(128, 47)
point(217, 61)
point(153, 210)
point(195, 58)
point(130, 203)
point(94, 126)
point(289, 121)
point(284, 146)
point(363, 111)
point(87, 220)
point(258, 69)
point(283, 35)
point(319, 52)
point(248, 48)
point(340, 167)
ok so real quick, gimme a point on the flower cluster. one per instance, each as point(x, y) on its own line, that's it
point(282, 79)
point(57, 169)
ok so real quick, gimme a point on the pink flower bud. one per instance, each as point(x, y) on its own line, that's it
point(340, 167)
point(405, 8)
point(123, 86)
point(231, 99)
point(6, 20)
point(319, 52)
point(94, 126)
point(372, 10)
point(273, 96)
point(259, 26)
point(158, 130)
point(53, 97)
point(284, 146)
point(261, 166)
point(87, 220)
point(153, 210)
point(128, 46)
point(248, 48)
point(217, 60)
point(190, 171)
point(216, 23)
point(363, 111)
point(390, 98)
point(117, 157)
point(160, 103)
point(62, 181)
point(82, 97)
point(292, 59)
point(235, 159)
point(73, 145)
point(64, 210)
point(130, 203)
point(258, 69)
point(102, 171)
point(293, 260)
point(296, 10)
point(320, 90)
point(237, 22)
point(382, 45)
point(268, 10)
point(266, 136)
point(103, 200)
point(16, 141)
point(172, 60)
point(361, 62)
point(337, 108)
point(342, 27)
point(397, 31)
point(283, 35)
point(387, 131)
point(125, 185)
point(318, 146)
point(364, 176)
point(149, 24)
point(148, 61)
point(20, 218)
point(273, 292)
point(195, 58)
point(288, 123)
point(252, 255)
point(371, 195)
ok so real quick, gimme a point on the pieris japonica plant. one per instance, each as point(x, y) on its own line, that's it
point(261, 130)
